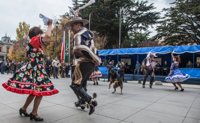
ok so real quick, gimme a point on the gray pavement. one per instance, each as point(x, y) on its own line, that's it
point(161, 104)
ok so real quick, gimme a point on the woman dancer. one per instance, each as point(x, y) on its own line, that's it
point(176, 76)
point(95, 75)
point(32, 79)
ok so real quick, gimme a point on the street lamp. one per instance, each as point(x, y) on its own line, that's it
point(131, 44)
point(57, 24)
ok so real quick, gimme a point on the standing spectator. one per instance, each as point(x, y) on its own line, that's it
point(12, 67)
point(121, 71)
point(113, 62)
point(67, 69)
point(197, 65)
point(55, 65)
point(8, 67)
point(165, 68)
point(189, 64)
point(63, 65)
point(3, 65)
point(118, 64)
point(127, 68)
point(19, 65)
point(137, 67)
point(109, 66)
point(22, 63)
point(102, 64)
point(15, 65)
point(157, 68)
point(48, 66)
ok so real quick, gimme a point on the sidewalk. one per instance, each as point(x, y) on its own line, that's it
point(161, 104)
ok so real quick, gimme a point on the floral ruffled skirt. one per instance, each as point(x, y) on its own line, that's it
point(177, 76)
point(31, 80)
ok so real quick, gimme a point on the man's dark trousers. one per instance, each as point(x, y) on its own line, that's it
point(55, 72)
point(86, 69)
point(148, 72)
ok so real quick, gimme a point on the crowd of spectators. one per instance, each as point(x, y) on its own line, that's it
point(161, 69)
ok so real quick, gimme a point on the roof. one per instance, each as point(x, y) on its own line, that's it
point(157, 50)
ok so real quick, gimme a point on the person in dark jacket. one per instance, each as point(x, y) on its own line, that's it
point(48, 66)
point(8, 67)
point(165, 68)
point(12, 67)
point(109, 66)
point(19, 66)
point(121, 68)
point(197, 65)
point(3, 65)
point(67, 68)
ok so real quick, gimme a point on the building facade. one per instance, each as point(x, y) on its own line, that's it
point(5, 46)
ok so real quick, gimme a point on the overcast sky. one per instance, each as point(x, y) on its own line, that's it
point(14, 11)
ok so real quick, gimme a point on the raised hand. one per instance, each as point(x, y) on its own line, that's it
point(50, 22)
point(76, 12)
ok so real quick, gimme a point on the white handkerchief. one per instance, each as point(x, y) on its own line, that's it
point(45, 19)
point(89, 3)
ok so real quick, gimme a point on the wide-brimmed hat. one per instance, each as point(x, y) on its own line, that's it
point(77, 19)
point(153, 54)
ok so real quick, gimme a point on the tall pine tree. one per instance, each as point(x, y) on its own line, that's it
point(181, 23)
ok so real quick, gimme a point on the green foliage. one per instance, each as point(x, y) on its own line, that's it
point(105, 18)
point(181, 23)
point(22, 31)
point(137, 38)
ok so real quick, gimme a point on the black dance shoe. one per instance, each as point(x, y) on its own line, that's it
point(150, 86)
point(143, 86)
point(35, 118)
point(93, 83)
point(93, 104)
point(182, 90)
point(176, 88)
point(23, 112)
point(97, 83)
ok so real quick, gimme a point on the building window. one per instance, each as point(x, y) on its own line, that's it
point(0, 49)
point(8, 49)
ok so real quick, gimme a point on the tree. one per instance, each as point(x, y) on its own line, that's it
point(105, 18)
point(22, 31)
point(19, 47)
point(181, 23)
point(137, 38)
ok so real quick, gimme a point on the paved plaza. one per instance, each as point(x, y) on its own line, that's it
point(161, 104)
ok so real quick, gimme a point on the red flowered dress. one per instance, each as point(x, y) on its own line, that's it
point(96, 72)
point(32, 77)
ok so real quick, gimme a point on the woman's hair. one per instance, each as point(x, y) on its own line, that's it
point(34, 31)
point(178, 59)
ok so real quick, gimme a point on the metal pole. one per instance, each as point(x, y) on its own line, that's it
point(69, 47)
point(56, 41)
point(137, 64)
point(89, 20)
point(193, 60)
point(119, 27)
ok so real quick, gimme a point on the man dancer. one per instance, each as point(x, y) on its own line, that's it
point(48, 66)
point(149, 64)
point(86, 56)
